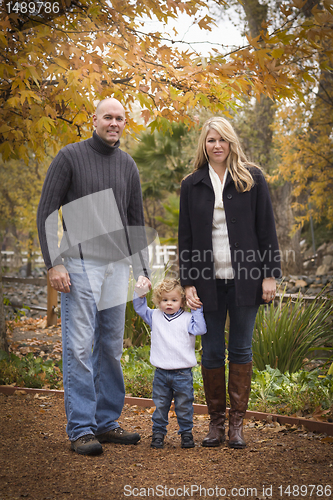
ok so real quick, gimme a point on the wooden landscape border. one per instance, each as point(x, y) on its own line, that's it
point(311, 425)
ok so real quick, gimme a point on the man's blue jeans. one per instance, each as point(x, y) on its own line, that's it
point(177, 384)
point(242, 320)
point(92, 338)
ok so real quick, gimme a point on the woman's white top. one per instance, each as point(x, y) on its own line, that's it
point(221, 245)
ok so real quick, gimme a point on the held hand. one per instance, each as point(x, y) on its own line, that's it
point(142, 286)
point(192, 299)
point(268, 289)
point(59, 278)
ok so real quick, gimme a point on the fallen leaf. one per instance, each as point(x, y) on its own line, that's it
point(327, 439)
point(319, 414)
point(42, 323)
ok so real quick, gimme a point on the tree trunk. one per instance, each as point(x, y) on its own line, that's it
point(30, 254)
point(3, 339)
point(256, 14)
point(291, 259)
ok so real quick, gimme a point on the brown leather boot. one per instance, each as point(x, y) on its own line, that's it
point(239, 392)
point(215, 392)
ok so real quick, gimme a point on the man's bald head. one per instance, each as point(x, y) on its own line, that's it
point(109, 101)
point(109, 120)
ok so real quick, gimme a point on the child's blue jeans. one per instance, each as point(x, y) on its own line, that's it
point(177, 384)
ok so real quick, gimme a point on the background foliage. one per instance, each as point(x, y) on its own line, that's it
point(302, 392)
point(278, 91)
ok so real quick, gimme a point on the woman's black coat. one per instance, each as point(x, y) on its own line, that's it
point(252, 236)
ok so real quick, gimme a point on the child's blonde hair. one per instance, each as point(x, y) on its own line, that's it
point(168, 285)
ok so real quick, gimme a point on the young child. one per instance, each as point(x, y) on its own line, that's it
point(172, 352)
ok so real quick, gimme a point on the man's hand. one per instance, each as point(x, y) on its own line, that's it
point(142, 286)
point(59, 278)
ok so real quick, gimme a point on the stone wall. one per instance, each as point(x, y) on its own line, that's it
point(317, 272)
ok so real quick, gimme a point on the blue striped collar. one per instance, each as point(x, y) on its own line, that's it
point(170, 317)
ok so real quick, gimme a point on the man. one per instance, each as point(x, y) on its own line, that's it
point(97, 186)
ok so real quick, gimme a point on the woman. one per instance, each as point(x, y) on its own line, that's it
point(228, 259)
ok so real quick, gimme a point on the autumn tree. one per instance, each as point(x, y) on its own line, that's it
point(55, 65)
point(54, 68)
point(20, 187)
point(303, 137)
point(303, 129)
point(301, 33)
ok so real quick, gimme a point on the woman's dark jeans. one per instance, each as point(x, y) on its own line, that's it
point(242, 320)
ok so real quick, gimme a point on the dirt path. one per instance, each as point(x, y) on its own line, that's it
point(36, 461)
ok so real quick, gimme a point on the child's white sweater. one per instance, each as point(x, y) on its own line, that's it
point(172, 336)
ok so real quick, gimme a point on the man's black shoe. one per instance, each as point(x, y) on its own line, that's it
point(87, 445)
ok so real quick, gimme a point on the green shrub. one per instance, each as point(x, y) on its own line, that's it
point(138, 372)
point(271, 390)
point(285, 335)
point(29, 371)
point(199, 393)
point(136, 330)
point(276, 392)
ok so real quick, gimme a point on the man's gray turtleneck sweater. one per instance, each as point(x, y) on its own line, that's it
point(108, 226)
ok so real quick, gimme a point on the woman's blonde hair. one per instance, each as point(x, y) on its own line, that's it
point(168, 285)
point(237, 162)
